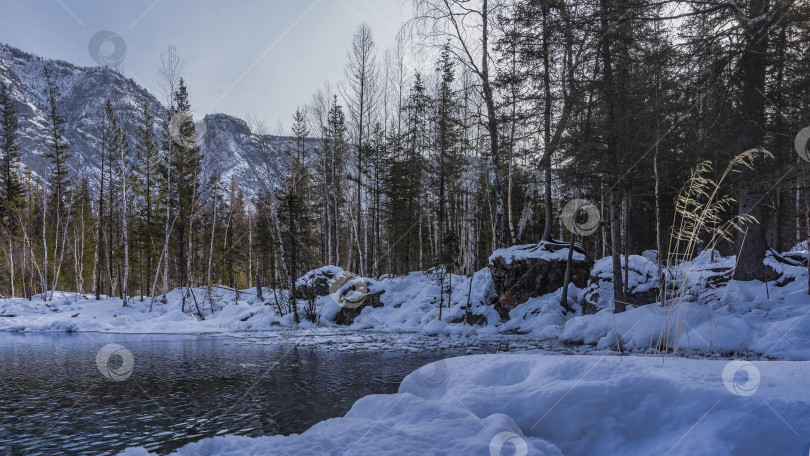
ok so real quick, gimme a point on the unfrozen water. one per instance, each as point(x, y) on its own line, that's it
point(182, 388)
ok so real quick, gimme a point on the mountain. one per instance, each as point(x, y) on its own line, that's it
point(228, 147)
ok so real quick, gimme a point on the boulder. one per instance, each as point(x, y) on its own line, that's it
point(527, 271)
point(643, 283)
point(353, 297)
point(318, 282)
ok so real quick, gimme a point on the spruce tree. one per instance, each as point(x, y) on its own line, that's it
point(12, 188)
point(404, 181)
point(295, 200)
point(335, 149)
point(146, 189)
point(112, 143)
point(186, 168)
point(57, 152)
point(54, 210)
point(447, 163)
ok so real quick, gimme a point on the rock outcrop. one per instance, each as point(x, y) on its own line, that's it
point(319, 282)
point(348, 290)
point(353, 297)
point(527, 271)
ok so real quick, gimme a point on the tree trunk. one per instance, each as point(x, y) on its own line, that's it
point(492, 127)
point(125, 280)
point(612, 151)
point(567, 279)
point(549, 215)
point(751, 242)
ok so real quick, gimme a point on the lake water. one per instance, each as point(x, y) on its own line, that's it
point(55, 400)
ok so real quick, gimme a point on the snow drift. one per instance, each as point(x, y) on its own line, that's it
point(531, 404)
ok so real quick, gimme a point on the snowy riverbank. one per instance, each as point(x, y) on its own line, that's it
point(534, 404)
point(732, 319)
point(574, 396)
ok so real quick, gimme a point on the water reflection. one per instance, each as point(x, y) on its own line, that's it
point(54, 400)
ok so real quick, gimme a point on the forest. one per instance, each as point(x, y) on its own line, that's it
point(469, 135)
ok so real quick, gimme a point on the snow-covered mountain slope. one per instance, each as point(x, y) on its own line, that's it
point(252, 161)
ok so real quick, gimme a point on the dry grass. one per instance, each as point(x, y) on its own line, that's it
point(700, 221)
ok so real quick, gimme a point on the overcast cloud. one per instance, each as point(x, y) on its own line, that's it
point(261, 57)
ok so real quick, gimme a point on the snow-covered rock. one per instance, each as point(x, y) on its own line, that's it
point(320, 282)
point(411, 303)
point(642, 282)
point(528, 271)
point(800, 247)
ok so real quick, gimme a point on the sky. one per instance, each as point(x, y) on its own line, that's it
point(242, 56)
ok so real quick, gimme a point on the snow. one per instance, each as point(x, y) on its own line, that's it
point(576, 396)
point(411, 303)
point(541, 251)
point(72, 312)
point(535, 404)
point(328, 271)
point(800, 247)
point(729, 318)
point(642, 277)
